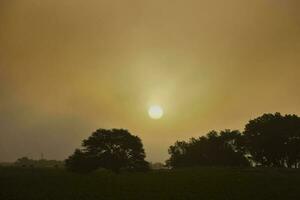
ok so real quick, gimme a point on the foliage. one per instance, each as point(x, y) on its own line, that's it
point(113, 149)
point(81, 162)
point(273, 140)
point(214, 149)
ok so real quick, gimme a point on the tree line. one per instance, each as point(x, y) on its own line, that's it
point(271, 140)
point(41, 163)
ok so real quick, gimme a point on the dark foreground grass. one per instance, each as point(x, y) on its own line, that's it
point(196, 183)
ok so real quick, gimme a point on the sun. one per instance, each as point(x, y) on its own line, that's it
point(155, 112)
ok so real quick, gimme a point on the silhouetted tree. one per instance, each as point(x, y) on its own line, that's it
point(273, 140)
point(214, 149)
point(113, 149)
point(81, 162)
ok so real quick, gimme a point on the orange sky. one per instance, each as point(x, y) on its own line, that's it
point(70, 67)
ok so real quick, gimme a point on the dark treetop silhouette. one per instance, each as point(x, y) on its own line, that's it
point(113, 149)
point(271, 140)
point(214, 149)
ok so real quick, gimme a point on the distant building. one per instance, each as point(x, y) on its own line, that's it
point(157, 166)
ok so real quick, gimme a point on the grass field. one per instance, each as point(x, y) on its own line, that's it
point(198, 183)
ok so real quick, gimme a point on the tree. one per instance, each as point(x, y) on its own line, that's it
point(214, 149)
point(113, 149)
point(81, 162)
point(273, 140)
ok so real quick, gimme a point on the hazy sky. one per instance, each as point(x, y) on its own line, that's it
point(68, 67)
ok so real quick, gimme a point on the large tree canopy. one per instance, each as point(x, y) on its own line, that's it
point(214, 149)
point(113, 149)
point(273, 140)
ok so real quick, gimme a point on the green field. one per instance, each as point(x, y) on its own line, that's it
point(196, 183)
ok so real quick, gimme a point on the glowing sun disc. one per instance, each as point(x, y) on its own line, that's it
point(155, 112)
